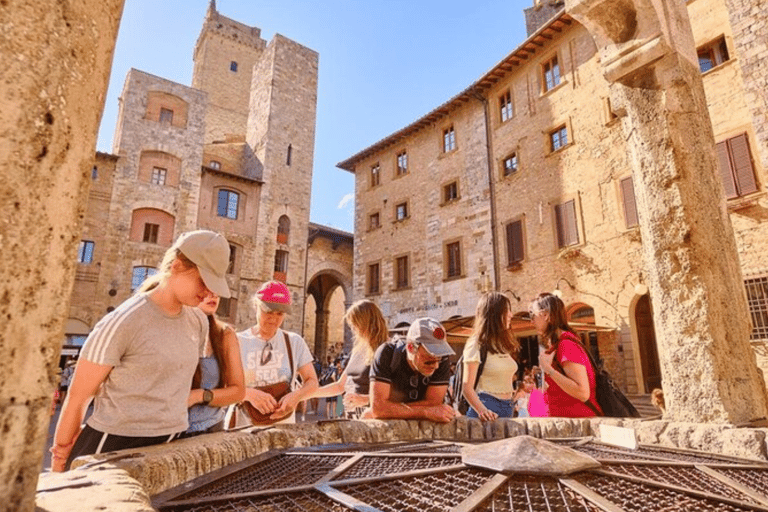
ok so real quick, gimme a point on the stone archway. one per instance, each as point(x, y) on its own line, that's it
point(330, 296)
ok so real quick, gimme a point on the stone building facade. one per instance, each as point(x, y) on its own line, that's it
point(521, 183)
point(232, 153)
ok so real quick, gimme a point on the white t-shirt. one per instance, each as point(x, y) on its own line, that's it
point(276, 367)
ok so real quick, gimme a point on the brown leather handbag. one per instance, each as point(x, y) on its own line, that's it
point(277, 390)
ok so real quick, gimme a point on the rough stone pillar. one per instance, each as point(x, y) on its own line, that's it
point(56, 59)
point(701, 316)
point(348, 340)
point(321, 333)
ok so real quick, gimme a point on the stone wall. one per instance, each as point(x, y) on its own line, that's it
point(125, 481)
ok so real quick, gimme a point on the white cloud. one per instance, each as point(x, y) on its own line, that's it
point(346, 200)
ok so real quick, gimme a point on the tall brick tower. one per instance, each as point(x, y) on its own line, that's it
point(281, 133)
point(225, 54)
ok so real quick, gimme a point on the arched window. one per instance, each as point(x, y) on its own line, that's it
point(227, 204)
point(283, 229)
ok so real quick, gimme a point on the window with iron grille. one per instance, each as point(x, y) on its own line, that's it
point(565, 219)
point(227, 204)
point(375, 175)
point(139, 274)
point(712, 54)
point(166, 115)
point(551, 73)
point(736, 169)
point(449, 139)
point(757, 299)
point(373, 278)
point(401, 272)
point(151, 232)
point(402, 163)
point(451, 192)
point(505, 106)
point(628, 202)
point(453, 259)
point(510, 164)
point(85, 251)
point(515, 245)
point(158, 175)
point(558, 138)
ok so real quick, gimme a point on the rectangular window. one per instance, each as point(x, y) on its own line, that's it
point(402, 163)
point(628, 200)
point(85, 251)
point(232, 259)
point(551, 73)
point(558, 138)
point(712, 54)
point(225, 308)
point(375, 175)
point(505, 106)
point(373, 278)
point(227, 204)
point(453, 259)
point(401, 211)
point(565, 219)
point(451, 192)
point(510, 164)
point(373, 221)
point(150, 233)
point(233, 66)
point(757, 300)
point(139, 274)
point(215, 165)
point(736, 169)
point(166, 115)
point(158, 175)
point(515, 247)
point(281, 261)
point(401, 272)
point(449, 140)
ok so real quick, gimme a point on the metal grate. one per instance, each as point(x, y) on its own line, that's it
point(393, 478)
point(380, 466)
point(681, 476)
point(524, 493)
point(637, 497)
point(280, 472)
point(436, 492)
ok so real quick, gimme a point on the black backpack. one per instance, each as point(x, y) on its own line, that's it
point(610, 398)
point(458, 401)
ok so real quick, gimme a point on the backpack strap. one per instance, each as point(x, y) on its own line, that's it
point(483, 357)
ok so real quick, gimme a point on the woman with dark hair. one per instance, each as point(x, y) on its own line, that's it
point(218, 380)
point(493, 347)
point(569, 376)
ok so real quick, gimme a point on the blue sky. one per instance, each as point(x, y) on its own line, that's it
point(383, 65)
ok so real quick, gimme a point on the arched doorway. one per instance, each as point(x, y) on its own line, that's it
point(328, 335)
point(646, 342)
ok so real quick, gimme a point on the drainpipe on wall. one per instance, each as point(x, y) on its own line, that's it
point(489, 157)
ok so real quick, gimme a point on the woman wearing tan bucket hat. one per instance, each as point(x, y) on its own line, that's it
point(273, 361)
point(138, 361)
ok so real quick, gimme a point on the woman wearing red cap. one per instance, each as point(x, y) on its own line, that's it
point(274, 359)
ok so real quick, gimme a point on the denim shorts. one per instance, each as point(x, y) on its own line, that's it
point(501, 407)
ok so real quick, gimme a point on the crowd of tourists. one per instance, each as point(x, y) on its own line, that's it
point(161, 366)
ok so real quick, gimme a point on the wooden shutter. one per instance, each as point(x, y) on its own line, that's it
point(743, 172)
point(630, 206)
point(515, 251)
point(221, 205)
point(726, 172)
point(567, 231)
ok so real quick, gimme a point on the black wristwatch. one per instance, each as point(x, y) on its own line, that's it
point(207, 396)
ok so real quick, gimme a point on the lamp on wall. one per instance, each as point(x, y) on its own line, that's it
point(513, 294)
point(557, 291)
